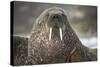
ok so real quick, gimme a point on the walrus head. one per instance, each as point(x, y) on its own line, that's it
point(55, 20)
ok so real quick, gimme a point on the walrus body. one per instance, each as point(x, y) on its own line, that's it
point(54, 41)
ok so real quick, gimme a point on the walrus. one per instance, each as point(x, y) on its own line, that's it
point(53, 40)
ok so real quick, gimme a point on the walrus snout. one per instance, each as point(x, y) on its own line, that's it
point(55, 22)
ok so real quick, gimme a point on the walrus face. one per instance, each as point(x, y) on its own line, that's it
point(56, 22)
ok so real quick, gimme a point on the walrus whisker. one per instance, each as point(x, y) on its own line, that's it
point(60, 31)
point(50, 33)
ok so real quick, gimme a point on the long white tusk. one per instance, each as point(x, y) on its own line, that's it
point(60, 30)
point(50, 33)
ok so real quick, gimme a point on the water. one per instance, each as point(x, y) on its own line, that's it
point(90, 42)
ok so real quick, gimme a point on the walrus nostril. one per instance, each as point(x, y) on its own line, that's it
point(55, 16)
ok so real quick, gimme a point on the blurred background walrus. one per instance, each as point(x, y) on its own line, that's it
point(83, 20)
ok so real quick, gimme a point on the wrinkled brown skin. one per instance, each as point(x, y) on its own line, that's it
point(38, 49)
point(41, 50)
